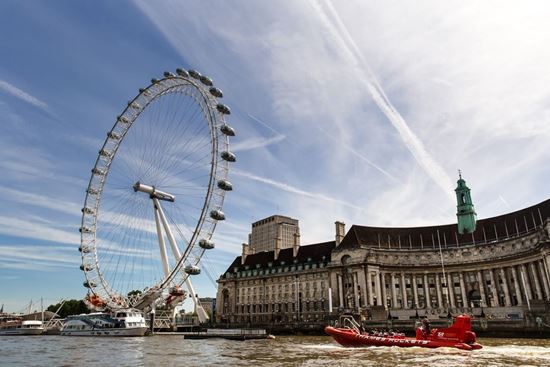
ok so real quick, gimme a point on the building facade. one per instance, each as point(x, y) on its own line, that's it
point(273, 234)
point(501, 270)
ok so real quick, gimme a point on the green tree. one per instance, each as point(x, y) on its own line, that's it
point(70, 307)
point(135, 292)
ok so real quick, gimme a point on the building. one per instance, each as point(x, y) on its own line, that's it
point(208, 304)
point(273, 234)
point(499, 272)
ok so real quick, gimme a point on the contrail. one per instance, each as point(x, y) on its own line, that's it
point(14, 91)
point(332, 21)
point(294, 190)
point(340, 146)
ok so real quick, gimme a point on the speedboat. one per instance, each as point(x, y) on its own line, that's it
point(127, 322)
point(459, 335)
point(17, 327)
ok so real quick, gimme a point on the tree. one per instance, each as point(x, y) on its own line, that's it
point(70, 307)
point(135, 292)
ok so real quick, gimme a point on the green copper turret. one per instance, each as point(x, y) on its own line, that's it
point(465, 212)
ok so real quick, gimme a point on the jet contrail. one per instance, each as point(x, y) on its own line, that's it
point(340, 146)
point(334, 24)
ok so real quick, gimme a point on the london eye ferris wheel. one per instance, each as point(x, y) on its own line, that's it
point(156, 193)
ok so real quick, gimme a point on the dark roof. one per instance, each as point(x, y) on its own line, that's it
point(315, 253)
point(487, 230)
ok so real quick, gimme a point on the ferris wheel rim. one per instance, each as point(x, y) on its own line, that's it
point(215, 119)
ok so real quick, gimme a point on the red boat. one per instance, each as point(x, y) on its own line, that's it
point(459, 335)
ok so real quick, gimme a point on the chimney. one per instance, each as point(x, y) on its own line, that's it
point(245, 253)
point(340, 232)
point(278, 241)
point(296, 244)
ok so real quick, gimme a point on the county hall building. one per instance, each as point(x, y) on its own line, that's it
point(496, 269)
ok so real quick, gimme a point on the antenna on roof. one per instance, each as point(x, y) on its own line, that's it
point(459, 174)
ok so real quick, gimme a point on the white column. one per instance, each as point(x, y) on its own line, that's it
point(536, 279)
point(369, 288)
point(481, 282)
point(383, 286)
point(438, 290)
point(363, 285)
point(525, 280)
point(340, 292)
point(505, 288)
point(427, 299)
point(378, 290)
point(415, 290)
point(404, 300)
point(545, 280)
point(519, 294)
point(451, 289)
point(393, 291)
point(463, 290)
point(355, 298)
point(494, 290)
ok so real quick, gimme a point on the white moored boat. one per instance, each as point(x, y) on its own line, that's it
point(119, 323)
point(28, 327)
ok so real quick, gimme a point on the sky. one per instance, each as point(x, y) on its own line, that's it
point(357, 111)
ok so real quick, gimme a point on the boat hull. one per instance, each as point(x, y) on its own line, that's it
point(349, 338)
point(140, 331)
point(19, 331)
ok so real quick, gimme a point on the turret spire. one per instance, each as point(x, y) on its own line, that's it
point(466, 214)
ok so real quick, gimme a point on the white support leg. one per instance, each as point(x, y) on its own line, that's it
point(171, 239)
point(163, 255)
point(201, 313)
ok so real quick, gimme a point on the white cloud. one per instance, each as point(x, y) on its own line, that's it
point(14, 91)
point(255, 143)
point(341, 35)
point(29, 229)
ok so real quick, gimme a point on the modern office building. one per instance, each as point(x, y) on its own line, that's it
point(273, 234)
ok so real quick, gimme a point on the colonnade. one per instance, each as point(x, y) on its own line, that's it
point(498, 286)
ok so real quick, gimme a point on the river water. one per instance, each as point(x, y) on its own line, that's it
point(173, 350)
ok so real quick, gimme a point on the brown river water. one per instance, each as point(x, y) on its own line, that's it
point(173, 350)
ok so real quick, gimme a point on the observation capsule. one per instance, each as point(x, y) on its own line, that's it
point(154, 81)
point(206, 244)
point(216, 92)
point(144, 91)
point(223, 109)
point(217, 214)
point(228, 156)
point(84, 249)
point(192, 270)
point(113, 135)
point(123, 119)
point(227, 130)
point(182, 72)
point(88, 210)
point(225, 185)
point(85, 230)
point(86, 267)
point(206, 80)
point(92, 191)
point(134, 105)
point(168, 74)
point(105, 153)
point(195, 74)
point(98, 171)
point(89, 284)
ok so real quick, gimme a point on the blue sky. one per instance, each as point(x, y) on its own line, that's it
point(355, 111)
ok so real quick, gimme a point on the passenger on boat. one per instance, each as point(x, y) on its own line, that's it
point(426, 326)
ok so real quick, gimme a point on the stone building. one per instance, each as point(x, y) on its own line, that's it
point(500, 270)
point(273, 234)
